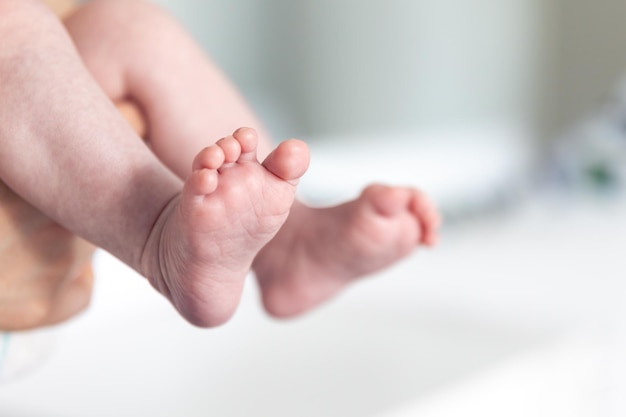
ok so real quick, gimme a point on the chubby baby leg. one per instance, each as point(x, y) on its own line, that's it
point(137, 51)
point(188, 102)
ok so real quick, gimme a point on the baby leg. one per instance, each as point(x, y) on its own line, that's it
point(136, 51)
point(204, 242)
point(188, 101)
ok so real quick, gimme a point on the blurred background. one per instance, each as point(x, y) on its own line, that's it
point(504, 79)
point(333, 67)
point(510, 113)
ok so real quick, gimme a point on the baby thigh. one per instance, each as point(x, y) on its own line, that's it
point(138, 52)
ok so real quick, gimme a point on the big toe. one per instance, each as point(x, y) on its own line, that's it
point(289, 161)
point(386, 200)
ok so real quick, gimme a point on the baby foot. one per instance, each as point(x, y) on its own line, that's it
point(319, 251)
point(204, 242)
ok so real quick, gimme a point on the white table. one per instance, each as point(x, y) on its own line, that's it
point(517, 315)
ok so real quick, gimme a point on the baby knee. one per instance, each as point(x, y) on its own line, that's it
point(12, 9)
point(24, 20)
point(122, 18)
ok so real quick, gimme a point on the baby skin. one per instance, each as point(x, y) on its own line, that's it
point(191, 215)
point(234, 213)
point(231, 206)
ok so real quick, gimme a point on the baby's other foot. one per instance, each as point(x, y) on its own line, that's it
point(319, 251)
point(231, 205)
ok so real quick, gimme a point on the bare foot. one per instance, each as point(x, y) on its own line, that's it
point(204, 242)
point(319, 251)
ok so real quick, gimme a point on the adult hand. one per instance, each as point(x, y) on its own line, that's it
point(45, 272)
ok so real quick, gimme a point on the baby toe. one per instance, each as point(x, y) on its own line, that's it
point(231, 148)
point(211, 157)
point(248, 140)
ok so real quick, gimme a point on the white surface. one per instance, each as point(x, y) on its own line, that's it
point(454, 167)
point(513, 316)
point(131, 355)
point(564, 379)
point(23, 352)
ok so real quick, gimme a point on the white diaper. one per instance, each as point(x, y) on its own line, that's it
point(22, 352)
